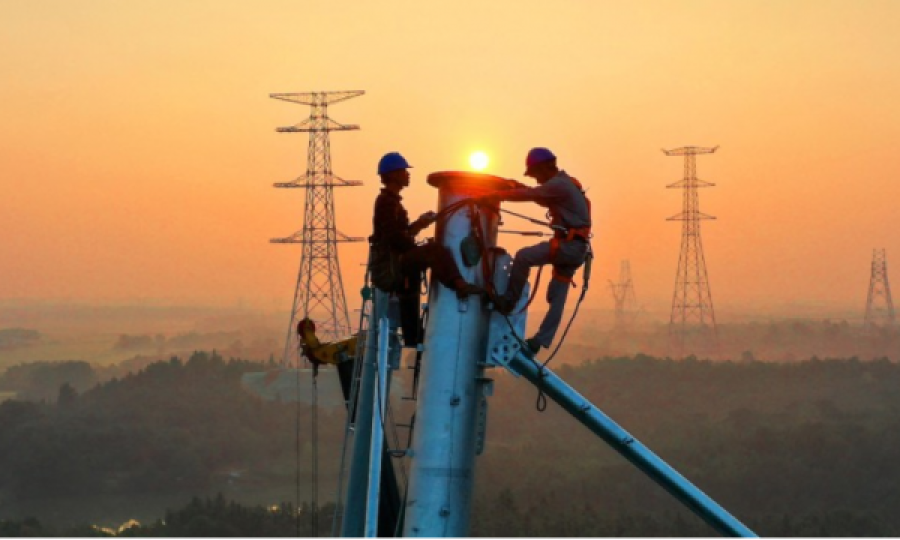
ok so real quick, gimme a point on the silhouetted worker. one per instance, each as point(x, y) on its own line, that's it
point(570, 218)
point(397, 262)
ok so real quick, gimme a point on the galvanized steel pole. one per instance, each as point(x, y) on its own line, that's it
point(376, 448)
point(450, 385)
point(353, 523)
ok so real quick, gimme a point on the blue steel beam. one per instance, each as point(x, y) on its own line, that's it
point(452, 381)
point(376, 448)
point(354, 513)
point(635, 452)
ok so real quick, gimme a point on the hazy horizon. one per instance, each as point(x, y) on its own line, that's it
point(139, 143)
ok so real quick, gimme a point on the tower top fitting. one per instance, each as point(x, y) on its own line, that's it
point(690, 151)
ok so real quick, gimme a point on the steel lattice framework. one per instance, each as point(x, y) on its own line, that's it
point(319, 294)
point(879, 304)
point(692, 304)
point(624, 297)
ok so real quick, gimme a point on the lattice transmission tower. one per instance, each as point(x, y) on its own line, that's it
point(319, 293)
point(692, 305)
point(624, 297)
point(879, 304)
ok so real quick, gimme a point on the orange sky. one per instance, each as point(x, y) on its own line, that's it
point(138, 150)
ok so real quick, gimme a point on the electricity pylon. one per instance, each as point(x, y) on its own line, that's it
point(319, 293)
point(879, 304)
point(692, 306)
point(624, 297)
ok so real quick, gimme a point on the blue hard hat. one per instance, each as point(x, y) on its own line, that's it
point(537, 155)
point(392, 161)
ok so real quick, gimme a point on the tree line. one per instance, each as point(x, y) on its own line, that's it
point(802, 449)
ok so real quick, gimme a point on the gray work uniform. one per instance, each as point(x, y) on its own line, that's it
point(568, 205)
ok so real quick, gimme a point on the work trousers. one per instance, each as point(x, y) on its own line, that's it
point(568, 259)
point(430, 255)
point(412, 264)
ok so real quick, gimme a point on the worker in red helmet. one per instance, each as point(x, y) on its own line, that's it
point(397, 261)
point(570, 219)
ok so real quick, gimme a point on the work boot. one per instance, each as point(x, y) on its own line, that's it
point(533, 345)
point(463, 289)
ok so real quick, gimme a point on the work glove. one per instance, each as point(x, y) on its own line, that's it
point(428, 217)
point(424, 221)
point(514, 184)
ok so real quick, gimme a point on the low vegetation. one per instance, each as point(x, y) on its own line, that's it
point(799, 449)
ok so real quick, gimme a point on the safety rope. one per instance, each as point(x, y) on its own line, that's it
point(541, 404)
point(491, 291)
point(487, 266)
point(588, 260)
point(537, 283)
point(526, 218)
point(524, 233)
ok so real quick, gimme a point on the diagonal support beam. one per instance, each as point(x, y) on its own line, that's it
point(635, 452)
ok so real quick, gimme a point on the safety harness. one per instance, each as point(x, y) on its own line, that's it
point(563, 233)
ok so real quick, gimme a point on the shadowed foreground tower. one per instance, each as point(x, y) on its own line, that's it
point(879, 304)
point(692, 306)
point(319, 294)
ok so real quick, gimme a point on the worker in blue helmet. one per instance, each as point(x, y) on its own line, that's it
point(397, 261)
point(570, 219)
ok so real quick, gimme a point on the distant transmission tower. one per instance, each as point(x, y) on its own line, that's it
point(692, 306)
point(879, 305)
point(624, 297)
point(319, 294)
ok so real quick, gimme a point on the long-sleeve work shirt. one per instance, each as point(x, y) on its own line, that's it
point(565, 201)
point(390, 223)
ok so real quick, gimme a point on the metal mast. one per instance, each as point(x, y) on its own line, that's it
point(319, 294)
point(692, 305)
point(879, 313)
point(464, 339)
point(623, 294)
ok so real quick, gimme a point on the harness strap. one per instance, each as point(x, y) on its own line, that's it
point(581, 232)
point(554, 247)
point(565, 279)
point(570, 232)
point(554, 250)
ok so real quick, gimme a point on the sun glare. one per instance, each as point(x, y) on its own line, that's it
point(478, 160)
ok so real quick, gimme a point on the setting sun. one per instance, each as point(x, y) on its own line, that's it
point(478, 161)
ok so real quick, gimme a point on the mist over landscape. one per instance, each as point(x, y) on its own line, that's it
point(121, 413)
point(144, 310)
